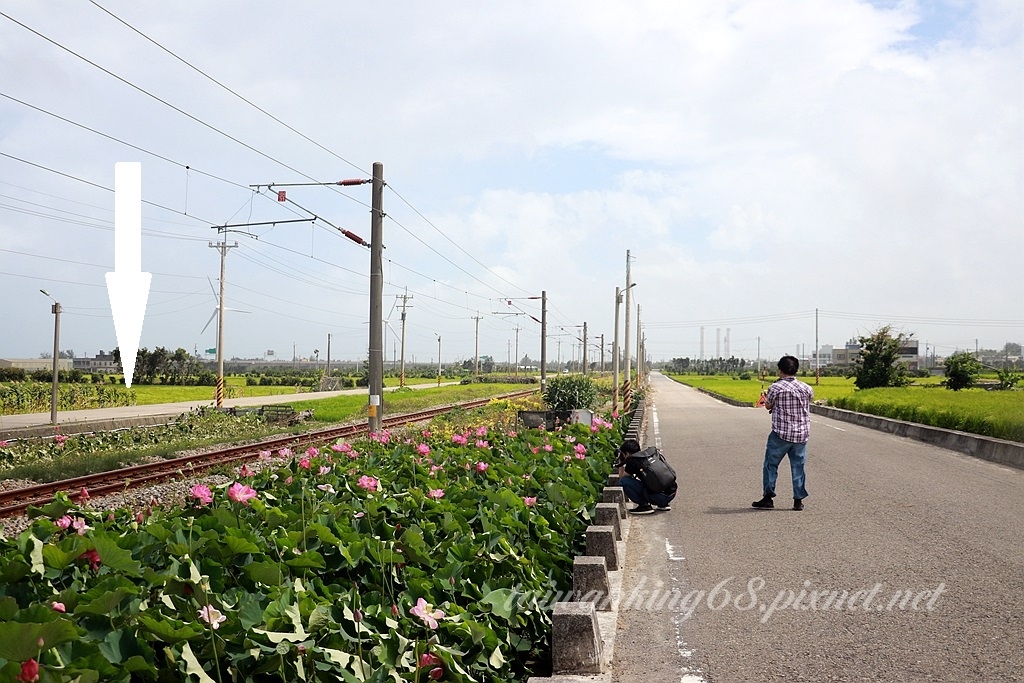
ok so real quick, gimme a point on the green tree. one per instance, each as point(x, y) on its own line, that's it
point(878, 365)
point(962, 368)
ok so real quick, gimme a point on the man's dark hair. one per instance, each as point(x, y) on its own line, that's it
point(629, 446)
point(788, 365)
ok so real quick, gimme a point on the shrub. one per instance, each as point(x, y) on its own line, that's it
point(569, 392)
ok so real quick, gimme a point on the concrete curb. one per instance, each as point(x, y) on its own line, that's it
point(607, 614)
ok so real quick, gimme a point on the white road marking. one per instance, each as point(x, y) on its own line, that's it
point(838, 429)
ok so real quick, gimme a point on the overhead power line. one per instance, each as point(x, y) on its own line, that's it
point(225, 87)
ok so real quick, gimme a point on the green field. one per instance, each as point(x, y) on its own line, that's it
point(999, 414)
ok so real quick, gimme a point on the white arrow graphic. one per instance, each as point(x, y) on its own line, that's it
point(128, 286)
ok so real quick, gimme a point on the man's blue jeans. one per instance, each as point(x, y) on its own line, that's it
point(635, 491)
point(774, 452)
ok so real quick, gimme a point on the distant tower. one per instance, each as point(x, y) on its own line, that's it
point(718, 342)
point(728, 342)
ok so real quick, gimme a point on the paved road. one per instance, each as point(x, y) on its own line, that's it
point(67, 417)
point(885, 515)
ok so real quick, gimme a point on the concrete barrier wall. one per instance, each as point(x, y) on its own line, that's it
point(996, 450)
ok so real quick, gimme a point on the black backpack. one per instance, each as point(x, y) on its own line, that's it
point(655, 472)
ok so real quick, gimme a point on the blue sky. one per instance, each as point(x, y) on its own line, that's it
point(760, 160)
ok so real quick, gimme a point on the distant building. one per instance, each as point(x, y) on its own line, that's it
point(100, 364)
point(847, 355)
point(33, 364)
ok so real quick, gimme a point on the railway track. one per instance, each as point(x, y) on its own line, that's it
point(17, 501)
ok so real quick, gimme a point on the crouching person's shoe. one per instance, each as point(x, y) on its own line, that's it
point(765, 503)
point(642, 510)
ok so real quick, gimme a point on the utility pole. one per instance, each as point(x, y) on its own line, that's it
point(327, 368)
point(584, 348)
point(405, 304)
point(375, 409)
point(817, 350)
point(602, 353)
point(628, 306)
point(543, 341)
point(615, 355)
point(438, 360)
point(517, 351)
point(476, 366)
point(222, 247)
point(639, 357)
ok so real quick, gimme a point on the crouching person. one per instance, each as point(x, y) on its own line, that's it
point(647, 479)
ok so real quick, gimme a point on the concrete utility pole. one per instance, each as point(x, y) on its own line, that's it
point(438, 360)
point(405, 304)
point(222, 247)
point(584, 347)
point(517, 351)
point(543, 341)
point(639, 356)
point(615, 354)
point(476, 366)
point(327, 368)
point(602, 352)
point(628, 306)
point(376, 379)
point(55, 385)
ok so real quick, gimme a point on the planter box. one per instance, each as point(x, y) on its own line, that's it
point(552, 418)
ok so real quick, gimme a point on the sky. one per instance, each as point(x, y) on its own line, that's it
point(779, 172)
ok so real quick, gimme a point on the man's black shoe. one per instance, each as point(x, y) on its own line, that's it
point(641, 510)
point(798, 503)
point(765, 503)
point(663, 508)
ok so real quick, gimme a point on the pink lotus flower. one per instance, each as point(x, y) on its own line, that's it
point(324, 469)
point(615, 415)
point(527, 476)
point(371, 484)
point(3, 444)
point(312, 451)
point(548, 447)
point(436, 673)
point(285, 452)
point(481, 466)
point(64, 522)
point(93, 557)
point(459, 439)
point(529, 501)
point(212, 616)
point(436, 494)
point(481, 430)
point(434, 469)
point(425, 611)
point(60, 439)
point(84, 493)
point(594, 428)
point(535, 450)
point(327, 488)
point(580, 448)
point(423, 449)
point(429, 659)
point(425, 433)
point(266, 455)
point(482, 444)
point(245, 471)
point(241, 493)
point(202, 493)
point(80, 526)
point(29, 672)
point(304, 463)
point(288, 481)
point(59, 607)
point(343, 448)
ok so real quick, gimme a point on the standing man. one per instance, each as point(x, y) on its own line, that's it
point(789, 402)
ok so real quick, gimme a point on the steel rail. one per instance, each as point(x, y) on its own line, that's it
point(17, 501)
